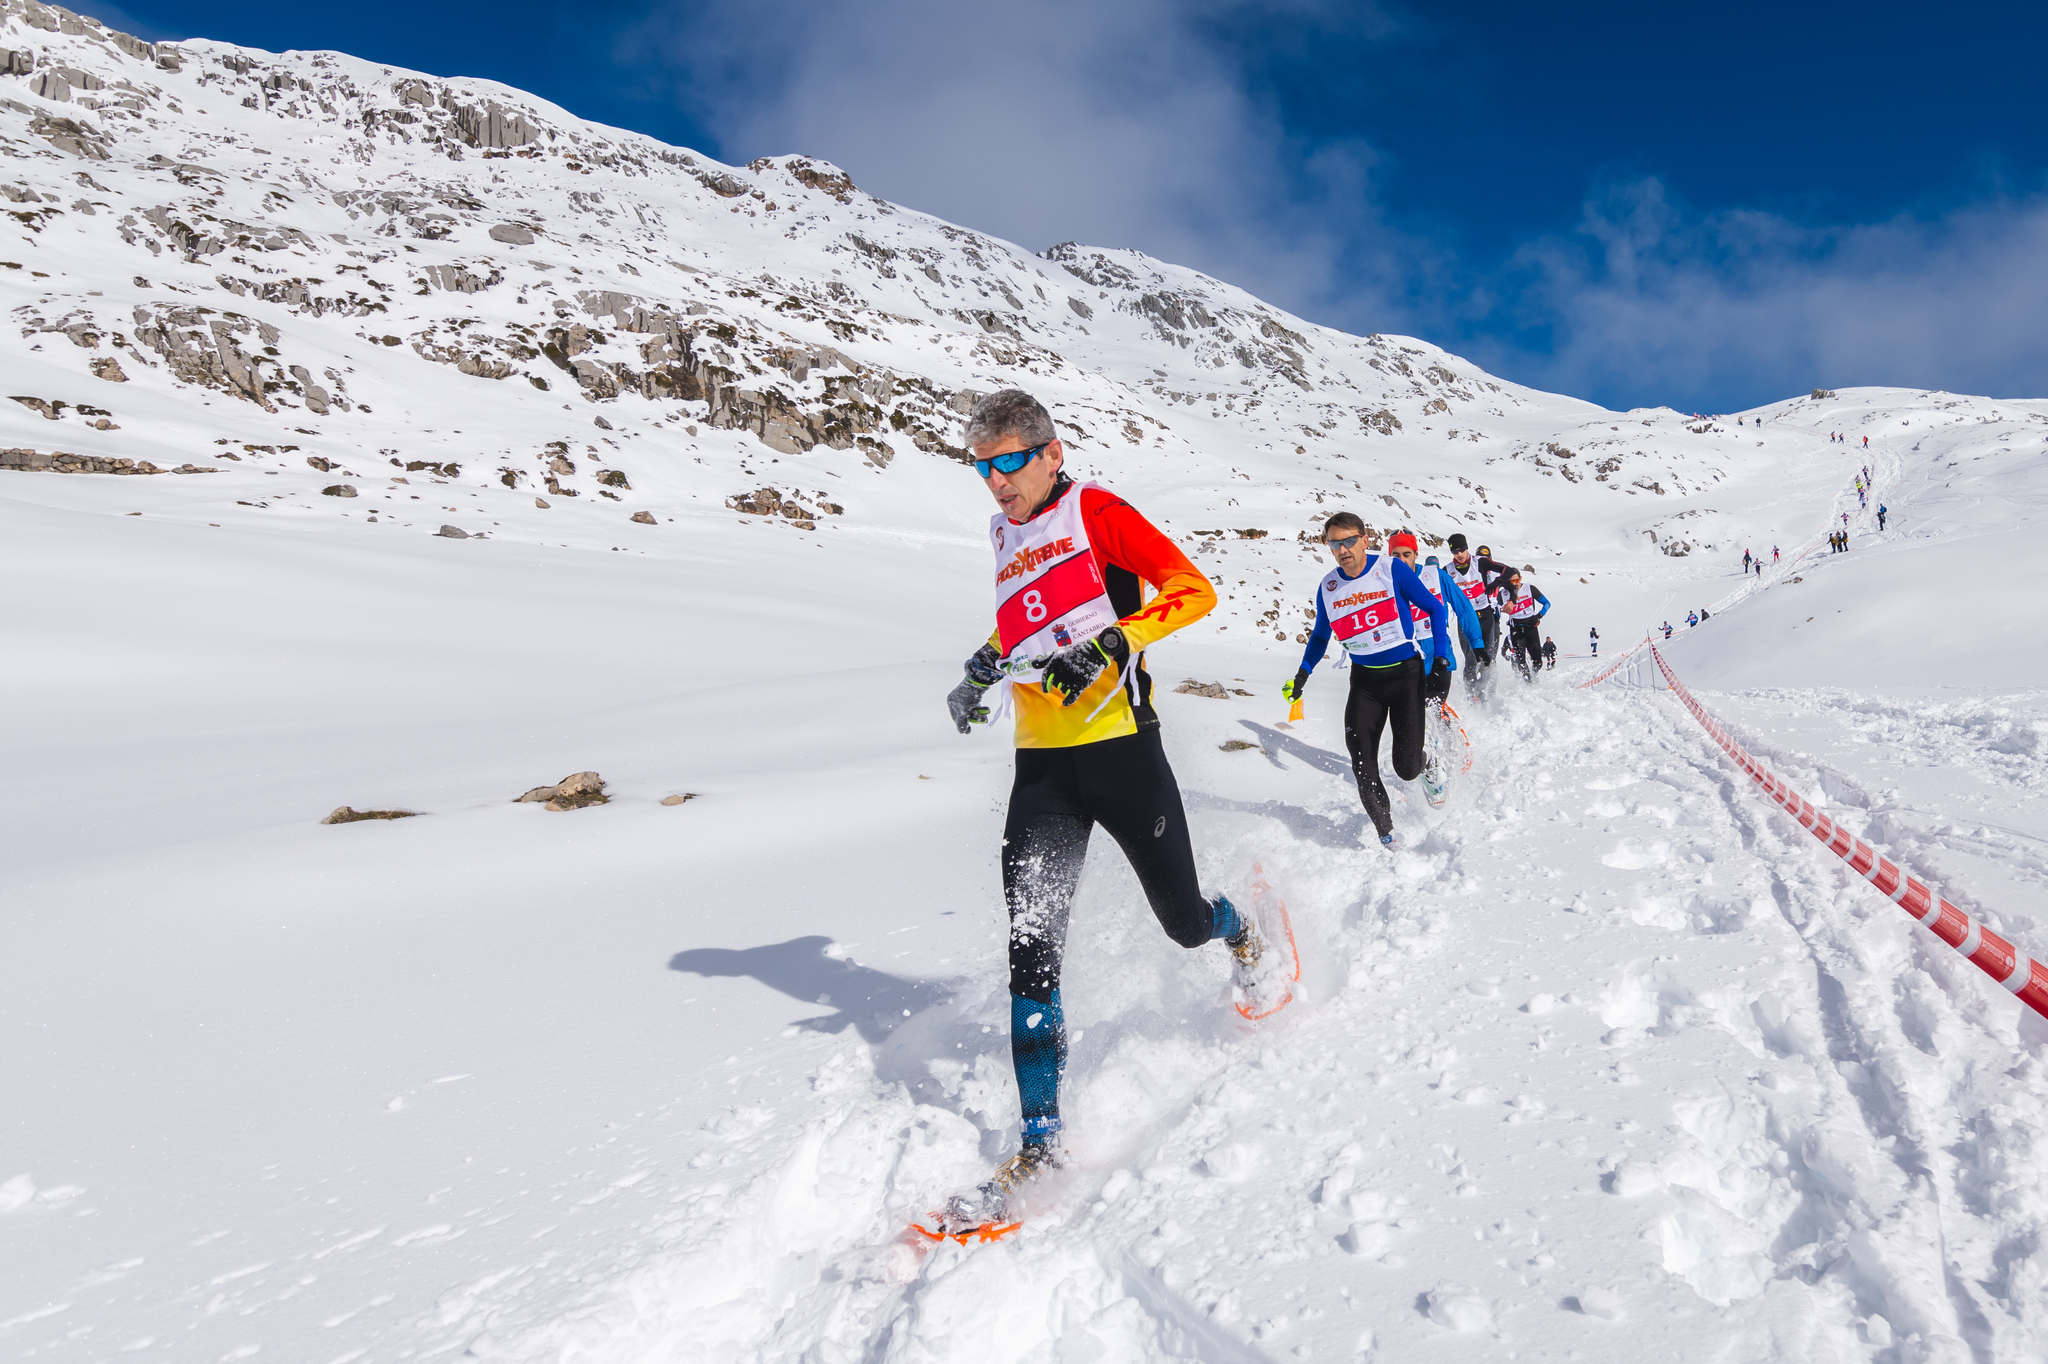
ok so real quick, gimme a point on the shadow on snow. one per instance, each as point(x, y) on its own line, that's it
point(873, 1003)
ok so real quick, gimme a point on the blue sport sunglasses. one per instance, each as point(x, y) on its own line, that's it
point(1009, 463)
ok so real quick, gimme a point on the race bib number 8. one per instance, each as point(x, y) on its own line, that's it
point(1054, 594)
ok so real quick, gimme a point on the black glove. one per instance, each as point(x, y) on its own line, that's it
point(1073, 670)
point(968, 702)
point(1292, 687)
point(1440, 671)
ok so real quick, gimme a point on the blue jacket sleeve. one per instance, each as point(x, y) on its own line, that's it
point(1318, 638)
point(1537, 593)
point(1408, 587)
point(1462, 607)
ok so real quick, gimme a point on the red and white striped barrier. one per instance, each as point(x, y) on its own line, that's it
point(1988, 952)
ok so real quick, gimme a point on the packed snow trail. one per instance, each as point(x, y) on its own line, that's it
point(1442, 1151)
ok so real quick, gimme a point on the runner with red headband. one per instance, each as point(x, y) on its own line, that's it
point(1436, 688)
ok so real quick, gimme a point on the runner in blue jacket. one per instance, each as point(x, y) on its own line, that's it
point(1370, 604)
point(1437, 686)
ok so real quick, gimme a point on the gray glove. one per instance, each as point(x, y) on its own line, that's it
point(968, 702)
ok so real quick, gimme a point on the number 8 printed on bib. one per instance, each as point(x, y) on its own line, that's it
point(1049, 589)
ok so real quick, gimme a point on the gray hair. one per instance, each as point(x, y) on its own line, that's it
point(1011, 412)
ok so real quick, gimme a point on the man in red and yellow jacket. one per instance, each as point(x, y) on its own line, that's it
point(1072, 561)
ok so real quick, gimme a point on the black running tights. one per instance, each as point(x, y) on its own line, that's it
point(1060, 795)
point(1380, 696)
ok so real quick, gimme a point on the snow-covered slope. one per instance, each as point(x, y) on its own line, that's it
point(1610, 1064)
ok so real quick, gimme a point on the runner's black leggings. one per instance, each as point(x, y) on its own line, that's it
point(1528, 645)
point(1476, 662)
point(1059, 796)
point(1378, 695)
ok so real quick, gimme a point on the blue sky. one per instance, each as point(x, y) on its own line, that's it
point(1634, 203)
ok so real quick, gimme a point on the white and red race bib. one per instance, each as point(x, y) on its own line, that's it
point(1471, 582)
point(1049, 588)
point(1364, 613)
point(1425, 630)
point(1521, 607)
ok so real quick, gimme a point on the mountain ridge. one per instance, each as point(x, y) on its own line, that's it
point(609, 271)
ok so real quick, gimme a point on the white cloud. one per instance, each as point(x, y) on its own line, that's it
point(1143, 124)
point(1652, 302)
point(1128, 124)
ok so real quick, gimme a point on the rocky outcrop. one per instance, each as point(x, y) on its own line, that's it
point(1215, 691)
point(572, 792)
point(318, 400)
point(770, 502)
point(493, 127)
point(202, 347)
point(460, 280)
point(72, 137)
point(466, 359)
point(62, 462)
point(818, 175)
point(345, 814)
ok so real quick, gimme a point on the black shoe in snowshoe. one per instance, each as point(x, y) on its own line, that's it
point(992, 1209)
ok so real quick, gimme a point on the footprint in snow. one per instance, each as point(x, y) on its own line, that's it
point(1455, 1307)
point(1603, 1303)
point(1628, 856)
